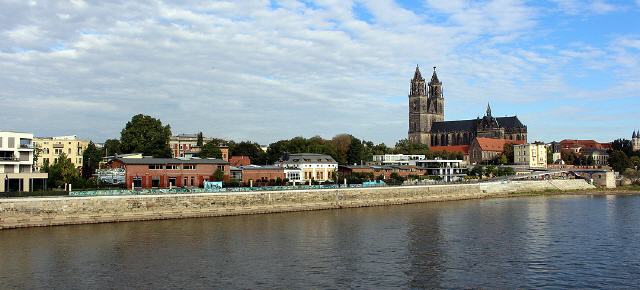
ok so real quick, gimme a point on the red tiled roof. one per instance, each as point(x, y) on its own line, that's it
point(240, 160)
point(495, 145)
point(568, 143)
point(454, 148)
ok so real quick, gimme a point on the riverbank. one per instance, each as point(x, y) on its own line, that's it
point(30, 212)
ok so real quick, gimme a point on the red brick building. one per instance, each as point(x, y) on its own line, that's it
point(150, 172)
point(261, 175)
point(578, 145)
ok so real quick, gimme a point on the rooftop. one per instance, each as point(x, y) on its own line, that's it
point(495, 145)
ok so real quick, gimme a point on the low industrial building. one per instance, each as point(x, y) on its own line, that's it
point(149, 172)
point(254, 175)
point(16, 164)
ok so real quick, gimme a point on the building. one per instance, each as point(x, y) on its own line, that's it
point(382, 171)
point(239, 161)
point(186, 145)
point(463, 149)
point(16, 164)
point(316, 167)
point(396, 159)
point(532, 155)
point(427, 124)
point(49, 148)
point(255, 175)
point(149, 172)
point(486, 149)
point(447, 170)
point(577, 145)
point(600, 157)
point(635, 140)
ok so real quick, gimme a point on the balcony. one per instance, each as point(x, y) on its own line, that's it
point(9, 158)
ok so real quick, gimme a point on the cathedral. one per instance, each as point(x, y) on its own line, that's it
point(427, 124)
point(635, 141)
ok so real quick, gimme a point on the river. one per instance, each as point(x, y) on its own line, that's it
point(526, 242)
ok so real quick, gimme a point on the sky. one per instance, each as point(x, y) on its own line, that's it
point(270, 70)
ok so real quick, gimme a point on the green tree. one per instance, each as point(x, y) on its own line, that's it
point(62, 171)
point(146, 135)
point(623, 145)
point(210, 150)
point(550, 156)
point(508, 153)
point(248, 148)
point(112, 147)
point(90, 159)
point(569, 157)
point(635, 162)
point(218, 175)
point(619, 161)
point(405, 146)
point(503, 160)
point(200, 140)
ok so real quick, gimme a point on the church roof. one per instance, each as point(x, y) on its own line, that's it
point(495, 145)
point(470, 125)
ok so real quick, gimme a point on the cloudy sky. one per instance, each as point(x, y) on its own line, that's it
point(268, 70)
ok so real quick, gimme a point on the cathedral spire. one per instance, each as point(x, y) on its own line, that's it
point(417, 75)
point(634, 136)
point(434, 77)
point(418, 86)
point(488, 110)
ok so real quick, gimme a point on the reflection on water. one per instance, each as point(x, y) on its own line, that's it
point(532, 242)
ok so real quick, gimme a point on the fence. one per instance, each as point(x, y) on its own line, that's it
point(202, 190)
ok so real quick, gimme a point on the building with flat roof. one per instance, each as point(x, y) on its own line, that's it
point(447, 170)
point(396, 159)
point(50, 148)
point(532, 155)
point(16, 164)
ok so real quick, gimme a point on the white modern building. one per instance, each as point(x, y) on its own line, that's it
point(397, 159)
point(533, 155)
point(16, 163)
point(309, 166)
point(447, 170)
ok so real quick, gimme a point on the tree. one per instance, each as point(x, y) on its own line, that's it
point(356, 152)
point(200, 140)
point(623, 145)
point(210, 150)
point(635, 162)
point(62, 171)
point(405, 146)
point(248, 148)
point(146, 135)
point(112, 147)
point(550, 156)
point(569, 157)
point(218, 175)
point(508, 153)
point(619, 161)
point(90, 159)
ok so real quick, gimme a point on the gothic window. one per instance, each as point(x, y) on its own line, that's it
point(443, 140)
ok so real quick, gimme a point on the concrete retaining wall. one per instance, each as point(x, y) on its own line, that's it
point(27, 212)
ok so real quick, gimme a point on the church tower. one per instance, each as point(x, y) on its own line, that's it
point(426, 106)
point(635, 141)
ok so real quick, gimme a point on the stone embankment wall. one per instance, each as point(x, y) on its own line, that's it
point(28, 212)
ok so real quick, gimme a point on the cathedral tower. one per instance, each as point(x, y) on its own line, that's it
point(426, 106)
point(635, 141)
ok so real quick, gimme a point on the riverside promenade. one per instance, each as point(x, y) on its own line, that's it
point(31, 212)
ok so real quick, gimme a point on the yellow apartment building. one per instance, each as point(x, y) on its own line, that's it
point(49, 148)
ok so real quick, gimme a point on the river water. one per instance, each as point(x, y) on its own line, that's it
point(527, 242)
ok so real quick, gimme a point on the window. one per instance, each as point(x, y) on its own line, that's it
point(193, 181)
point(137, 182)
point(173, 167)
point(57, 151)
point(155, 182)
point(69, 151)
point(189, 167)
point(184, 181)
point(172, 181)
point(156, 166)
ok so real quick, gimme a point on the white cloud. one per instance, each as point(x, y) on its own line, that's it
point(246, 70)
